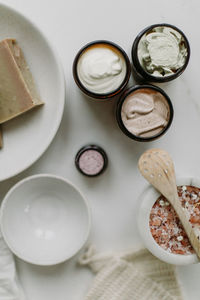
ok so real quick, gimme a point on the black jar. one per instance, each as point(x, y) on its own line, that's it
point(121, 53)
point(143, 88)
point(91, 160)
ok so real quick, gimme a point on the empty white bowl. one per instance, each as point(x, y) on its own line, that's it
point(44, 219)
point(148, 198)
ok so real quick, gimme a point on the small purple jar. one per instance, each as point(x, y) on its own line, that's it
point(91, 160)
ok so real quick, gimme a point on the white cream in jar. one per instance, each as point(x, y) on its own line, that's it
point(101, 68)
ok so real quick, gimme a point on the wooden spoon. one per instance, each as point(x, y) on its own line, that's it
point(157, 167)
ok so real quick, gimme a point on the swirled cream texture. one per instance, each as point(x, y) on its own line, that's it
point(162, 51)
point(145, 112)
point(101, 68)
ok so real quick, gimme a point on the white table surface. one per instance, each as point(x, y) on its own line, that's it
point(113, 196)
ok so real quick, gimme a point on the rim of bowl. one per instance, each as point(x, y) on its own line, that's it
point(119, 108)
point(35, 261)
point(148, 198)
point(101, 96)
point(91, 147)
point(141, 70)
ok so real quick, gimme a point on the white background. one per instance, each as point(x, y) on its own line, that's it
point(114, 195)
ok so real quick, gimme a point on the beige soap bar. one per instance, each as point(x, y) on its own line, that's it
point(18, 93)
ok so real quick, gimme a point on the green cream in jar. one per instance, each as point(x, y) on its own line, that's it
point(162, 51)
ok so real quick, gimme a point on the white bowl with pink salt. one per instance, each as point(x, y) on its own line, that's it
point(160, 228)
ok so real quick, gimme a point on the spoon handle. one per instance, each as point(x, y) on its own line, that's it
point(193, 237)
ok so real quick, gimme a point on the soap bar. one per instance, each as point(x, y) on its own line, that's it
point(18, 93)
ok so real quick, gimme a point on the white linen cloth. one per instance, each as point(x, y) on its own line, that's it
point(133, 275)
point(10, 288)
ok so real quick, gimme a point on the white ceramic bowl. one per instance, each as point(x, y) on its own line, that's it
point(148, 198)
point(44, 219)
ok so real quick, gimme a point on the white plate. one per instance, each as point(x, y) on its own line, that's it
point(45, 219)
point(28, 136)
